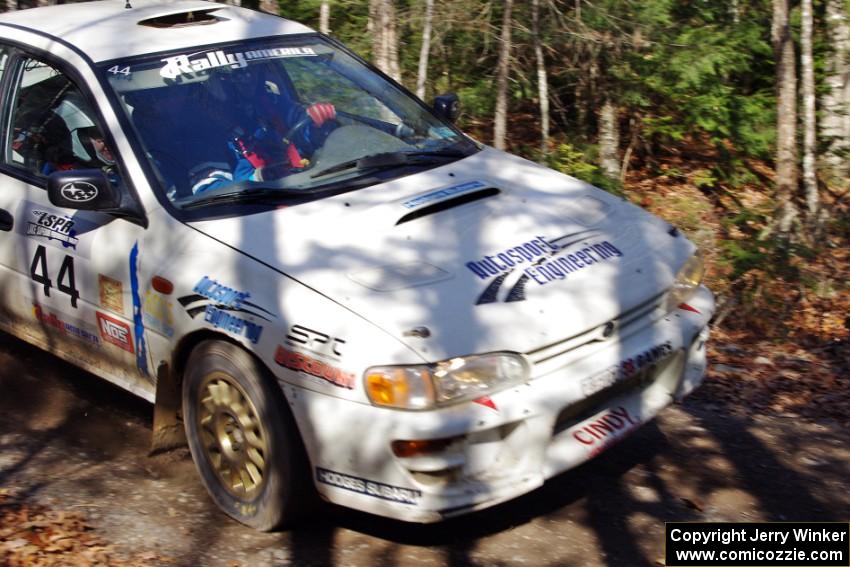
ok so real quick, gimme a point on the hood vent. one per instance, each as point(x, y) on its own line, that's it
point(449, 204)
point(183, 19)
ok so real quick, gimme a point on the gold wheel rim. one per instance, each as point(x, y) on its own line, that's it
point(232, 436)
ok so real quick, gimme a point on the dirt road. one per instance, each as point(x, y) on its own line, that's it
point(72, 442)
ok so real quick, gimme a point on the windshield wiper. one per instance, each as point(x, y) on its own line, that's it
point(255, 195)
point(390, 160)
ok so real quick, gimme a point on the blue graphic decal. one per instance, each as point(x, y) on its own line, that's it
point(442, 193)
point(138, 321)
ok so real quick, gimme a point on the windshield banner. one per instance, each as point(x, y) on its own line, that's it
point(183, 65)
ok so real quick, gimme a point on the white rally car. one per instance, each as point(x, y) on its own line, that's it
point(334, 289)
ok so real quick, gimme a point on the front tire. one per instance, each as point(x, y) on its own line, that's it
point(243, 438)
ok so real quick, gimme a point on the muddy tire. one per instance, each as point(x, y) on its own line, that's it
point(243, 438)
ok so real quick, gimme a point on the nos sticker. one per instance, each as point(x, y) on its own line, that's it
point(115, 332)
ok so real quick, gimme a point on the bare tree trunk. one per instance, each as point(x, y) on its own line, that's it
point(502, 71)
point(325, 17)
point(9, 5)
point(542, 79)
point(810, 183)
point(391, 39)
point(382, 28)
point(269, 6)
point(422, 77)
point(835, 103)
point(786, 121)
point(609, 140)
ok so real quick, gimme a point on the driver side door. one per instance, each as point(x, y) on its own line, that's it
point(66, 275)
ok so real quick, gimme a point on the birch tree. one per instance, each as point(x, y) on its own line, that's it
point(502, 72)
point(382, 28)
point(422, 76)
point(807, 68)
point(786, 116)
point(835, 102)
point(542, 79)
point(325, 17)
point(609, 140)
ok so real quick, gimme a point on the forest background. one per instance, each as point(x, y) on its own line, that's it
point(729, 118)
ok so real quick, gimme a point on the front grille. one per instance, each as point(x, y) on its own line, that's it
point(622, 325)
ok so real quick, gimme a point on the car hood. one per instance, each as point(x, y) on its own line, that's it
point(488, 253)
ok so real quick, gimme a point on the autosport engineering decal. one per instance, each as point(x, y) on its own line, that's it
point(219, 302)
point(548, 261)
point(368, 487)
point(115, 332)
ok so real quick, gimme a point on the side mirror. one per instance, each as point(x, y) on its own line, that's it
point(447, 106)
point(82, 189)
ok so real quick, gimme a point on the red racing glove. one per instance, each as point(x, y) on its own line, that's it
point(321, 112)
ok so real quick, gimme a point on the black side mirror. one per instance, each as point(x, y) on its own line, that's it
point(82, 189)
point(447, 106)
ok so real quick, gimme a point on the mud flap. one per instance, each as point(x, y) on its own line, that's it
point(168, 432)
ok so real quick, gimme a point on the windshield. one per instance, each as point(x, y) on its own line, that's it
point(288, 116)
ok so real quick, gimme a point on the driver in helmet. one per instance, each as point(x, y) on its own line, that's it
point(271, 135)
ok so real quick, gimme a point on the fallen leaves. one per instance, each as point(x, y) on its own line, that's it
point(33, 536)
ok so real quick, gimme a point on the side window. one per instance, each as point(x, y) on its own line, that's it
point(52, 127)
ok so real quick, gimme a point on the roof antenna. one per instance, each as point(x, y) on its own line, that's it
point(127, 5)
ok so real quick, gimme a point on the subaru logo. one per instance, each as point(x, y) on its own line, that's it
point(79, 191)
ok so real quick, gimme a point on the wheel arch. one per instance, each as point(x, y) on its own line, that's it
point(168, 430)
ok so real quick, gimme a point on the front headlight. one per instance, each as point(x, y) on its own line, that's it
point(687, 282)
point(425, 386)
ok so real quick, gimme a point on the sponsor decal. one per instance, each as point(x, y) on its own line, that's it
point(309, 365)
point(79, 191)
point(539, 259)
point(111, 294)
point(442, 194)
point(50, 226)
point(626, 368)
point(368, 487)
point(115, 332)
point(157, 313)
point(64, 325)
point(314, 341)
point(603, 431)
point(138, 322)
point(194, 62)
point(53, 227)
point(225, 308)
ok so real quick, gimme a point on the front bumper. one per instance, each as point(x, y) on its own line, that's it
point(510, 444)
